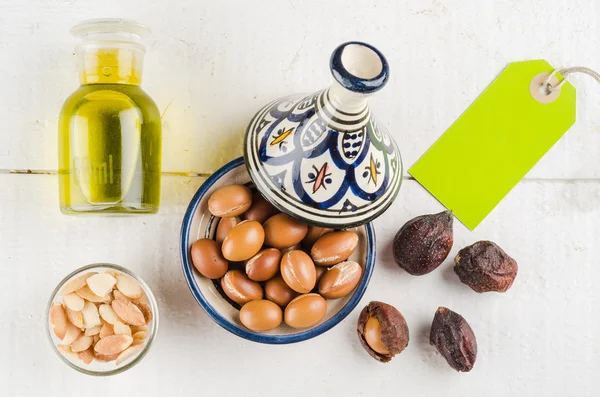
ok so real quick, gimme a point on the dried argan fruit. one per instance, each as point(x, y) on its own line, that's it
point(485, 267)
point(454, 339)
point(382, 331)
point(422, 244)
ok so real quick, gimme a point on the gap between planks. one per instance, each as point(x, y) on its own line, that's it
point(206, 175)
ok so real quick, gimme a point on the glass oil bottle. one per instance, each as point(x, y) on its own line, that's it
point(109, 136)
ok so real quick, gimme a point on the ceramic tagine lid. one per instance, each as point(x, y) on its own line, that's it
point(323, 158)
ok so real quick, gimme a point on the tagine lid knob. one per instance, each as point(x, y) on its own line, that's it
point(322, 158)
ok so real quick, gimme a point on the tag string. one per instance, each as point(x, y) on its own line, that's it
point(566, 72)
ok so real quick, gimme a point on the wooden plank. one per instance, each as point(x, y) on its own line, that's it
point(540, 338)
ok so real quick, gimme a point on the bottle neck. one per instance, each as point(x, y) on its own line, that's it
point(110, 63)
point(347, 101)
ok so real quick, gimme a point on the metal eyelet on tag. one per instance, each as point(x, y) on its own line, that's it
point(539, 88)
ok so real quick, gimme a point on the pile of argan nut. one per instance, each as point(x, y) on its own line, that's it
point(274, 267)
point(101, 317)
point(420, 247)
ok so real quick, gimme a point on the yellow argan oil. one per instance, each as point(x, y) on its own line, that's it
point(109, 130)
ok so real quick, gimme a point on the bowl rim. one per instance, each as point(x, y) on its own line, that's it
point(151, 335)
point(188, 270)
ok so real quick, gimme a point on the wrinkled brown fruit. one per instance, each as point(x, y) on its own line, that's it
point(393, 329)
point(485, 267)
point(422, 244)
point(454, 339)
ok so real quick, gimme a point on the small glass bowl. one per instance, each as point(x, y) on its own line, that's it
point(98, 368)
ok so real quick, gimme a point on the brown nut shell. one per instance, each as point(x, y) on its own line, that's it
point(393, 331)
point(313, 234)
point(208, 259)
point(239, 288)
point(224, 227)
point(422, 244)
point(298, 271)
point(231, 200)
point(305, 311)
point(485, 267)
point(260, 210)
point(243, 241)
point(278, 291)
point(264, 265)
point(334, 247)
point(338, 281)
point(283, 231)
point(260, 315)
point(454, 339)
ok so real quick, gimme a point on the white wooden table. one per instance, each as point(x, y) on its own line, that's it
point(210, 65)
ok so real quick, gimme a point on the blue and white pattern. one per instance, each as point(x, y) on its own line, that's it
point(326, 166)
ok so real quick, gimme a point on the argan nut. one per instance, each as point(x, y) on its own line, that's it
point(128, 287)
point(382, 331)
point(278, 291)
point(239, 288)
point(313, 234)
point(243, 241)
point(454, 339)
point(260, 210)
point(101, 284)
point(422, 244)
point(298, 271)
point(224, 227)
point(334, 247)
point(264, 265)
point(208, 258)
point(485, 267)
point(305, 311)
point(260, 315)
point(231, 200)
point(283, 231)
point(338, 281)
point(76, 283)
point(128, 312)
point(321, 270)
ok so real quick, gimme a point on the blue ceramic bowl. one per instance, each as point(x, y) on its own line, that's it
point(199, 223)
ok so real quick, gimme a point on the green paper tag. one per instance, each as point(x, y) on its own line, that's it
point(496, 141)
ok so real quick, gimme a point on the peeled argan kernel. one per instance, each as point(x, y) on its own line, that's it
point(66, 351)
point(372, 335)
point(485, 267)
point(73, 333)
point(121, 329)
point(138, 328)
point(58, 320)
point(86, 293)
point(454, 339)
point(73, 301)
point(388, 335)
point(76, 318)
point(91, 318)
point(82, 343)
point(128, 312)
point(105, 358)
point(145, 309)
point(108, 314)
point(140, 335)
point(128, 353)
point(119, 295)
point(87, 355)
point(422, 244)
point(113, 344)
point(93, 331)
point(106, 330)
point(129, 287)
point(76, 283)
point(101, 284)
